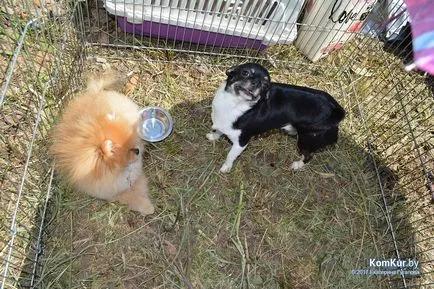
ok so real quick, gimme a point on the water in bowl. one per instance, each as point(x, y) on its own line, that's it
point(153, 128)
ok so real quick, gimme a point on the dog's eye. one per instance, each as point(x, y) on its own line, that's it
point(135, 150)
point(245, 73)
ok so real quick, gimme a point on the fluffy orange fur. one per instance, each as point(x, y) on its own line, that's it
point(97, 148)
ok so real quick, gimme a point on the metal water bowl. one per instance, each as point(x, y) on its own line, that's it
point(157, 124)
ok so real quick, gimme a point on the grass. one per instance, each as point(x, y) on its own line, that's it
point(26, 114)
point(261, 226)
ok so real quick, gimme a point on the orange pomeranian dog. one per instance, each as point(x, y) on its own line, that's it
point(97, 148)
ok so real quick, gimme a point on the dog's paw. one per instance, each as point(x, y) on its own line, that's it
point(143, 205)
point(225, 168)
point(297, 165)
point(212, 136)
point(290, 130)
point(147, 209)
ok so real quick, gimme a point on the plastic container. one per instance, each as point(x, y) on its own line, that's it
point(226, 23)
point(328, 25)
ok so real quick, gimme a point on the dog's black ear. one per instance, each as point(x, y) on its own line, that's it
point(265, 87)
point(230, 70)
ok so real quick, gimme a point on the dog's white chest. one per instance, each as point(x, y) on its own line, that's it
point(226, 109)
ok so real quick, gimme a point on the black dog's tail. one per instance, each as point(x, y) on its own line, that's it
point(338, 114)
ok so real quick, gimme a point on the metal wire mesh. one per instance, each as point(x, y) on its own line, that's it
point(37, 65)
point(44, 45)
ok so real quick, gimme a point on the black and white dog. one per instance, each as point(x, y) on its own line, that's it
point(248, 104)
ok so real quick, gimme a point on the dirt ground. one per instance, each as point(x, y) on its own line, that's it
point(261, 226)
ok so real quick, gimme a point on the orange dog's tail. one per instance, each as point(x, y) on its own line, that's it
point(89, 140)
point(108, 81)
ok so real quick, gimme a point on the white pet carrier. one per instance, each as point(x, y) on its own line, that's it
point(233, 23)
